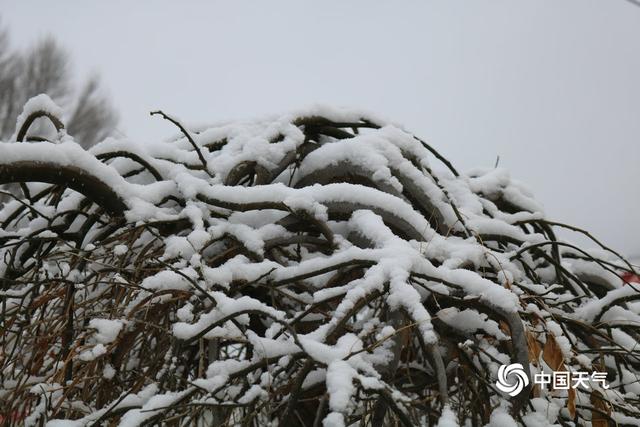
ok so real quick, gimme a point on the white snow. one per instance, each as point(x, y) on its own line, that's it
point(415, 234)
point(448, 418)
point(106, 330)
point(36, 104)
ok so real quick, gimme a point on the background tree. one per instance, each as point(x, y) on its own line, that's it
point(45, 68)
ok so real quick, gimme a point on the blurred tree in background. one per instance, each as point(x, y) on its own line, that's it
point(45, 68)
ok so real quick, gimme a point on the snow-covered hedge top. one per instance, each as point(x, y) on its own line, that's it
point(319, 267)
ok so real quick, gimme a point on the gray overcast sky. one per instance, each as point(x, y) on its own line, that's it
point(552, 86)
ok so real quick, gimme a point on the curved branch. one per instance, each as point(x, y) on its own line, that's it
point(69, 176)
point(36, 115)
point(134, 157)
point(187, 135)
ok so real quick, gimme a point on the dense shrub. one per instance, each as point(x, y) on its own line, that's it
point(315, 268)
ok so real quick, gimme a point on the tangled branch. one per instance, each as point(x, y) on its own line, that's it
point(321, 267)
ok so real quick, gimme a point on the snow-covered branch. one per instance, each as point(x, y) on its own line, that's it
point(323, 267)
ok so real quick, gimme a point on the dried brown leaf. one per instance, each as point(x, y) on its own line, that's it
point(598, 417)
point(534, 348)
point(552, 354)
point(571, 402)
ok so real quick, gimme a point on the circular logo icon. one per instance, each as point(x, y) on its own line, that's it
point(512, 379)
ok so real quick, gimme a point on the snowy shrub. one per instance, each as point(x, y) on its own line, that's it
point(321, 268)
